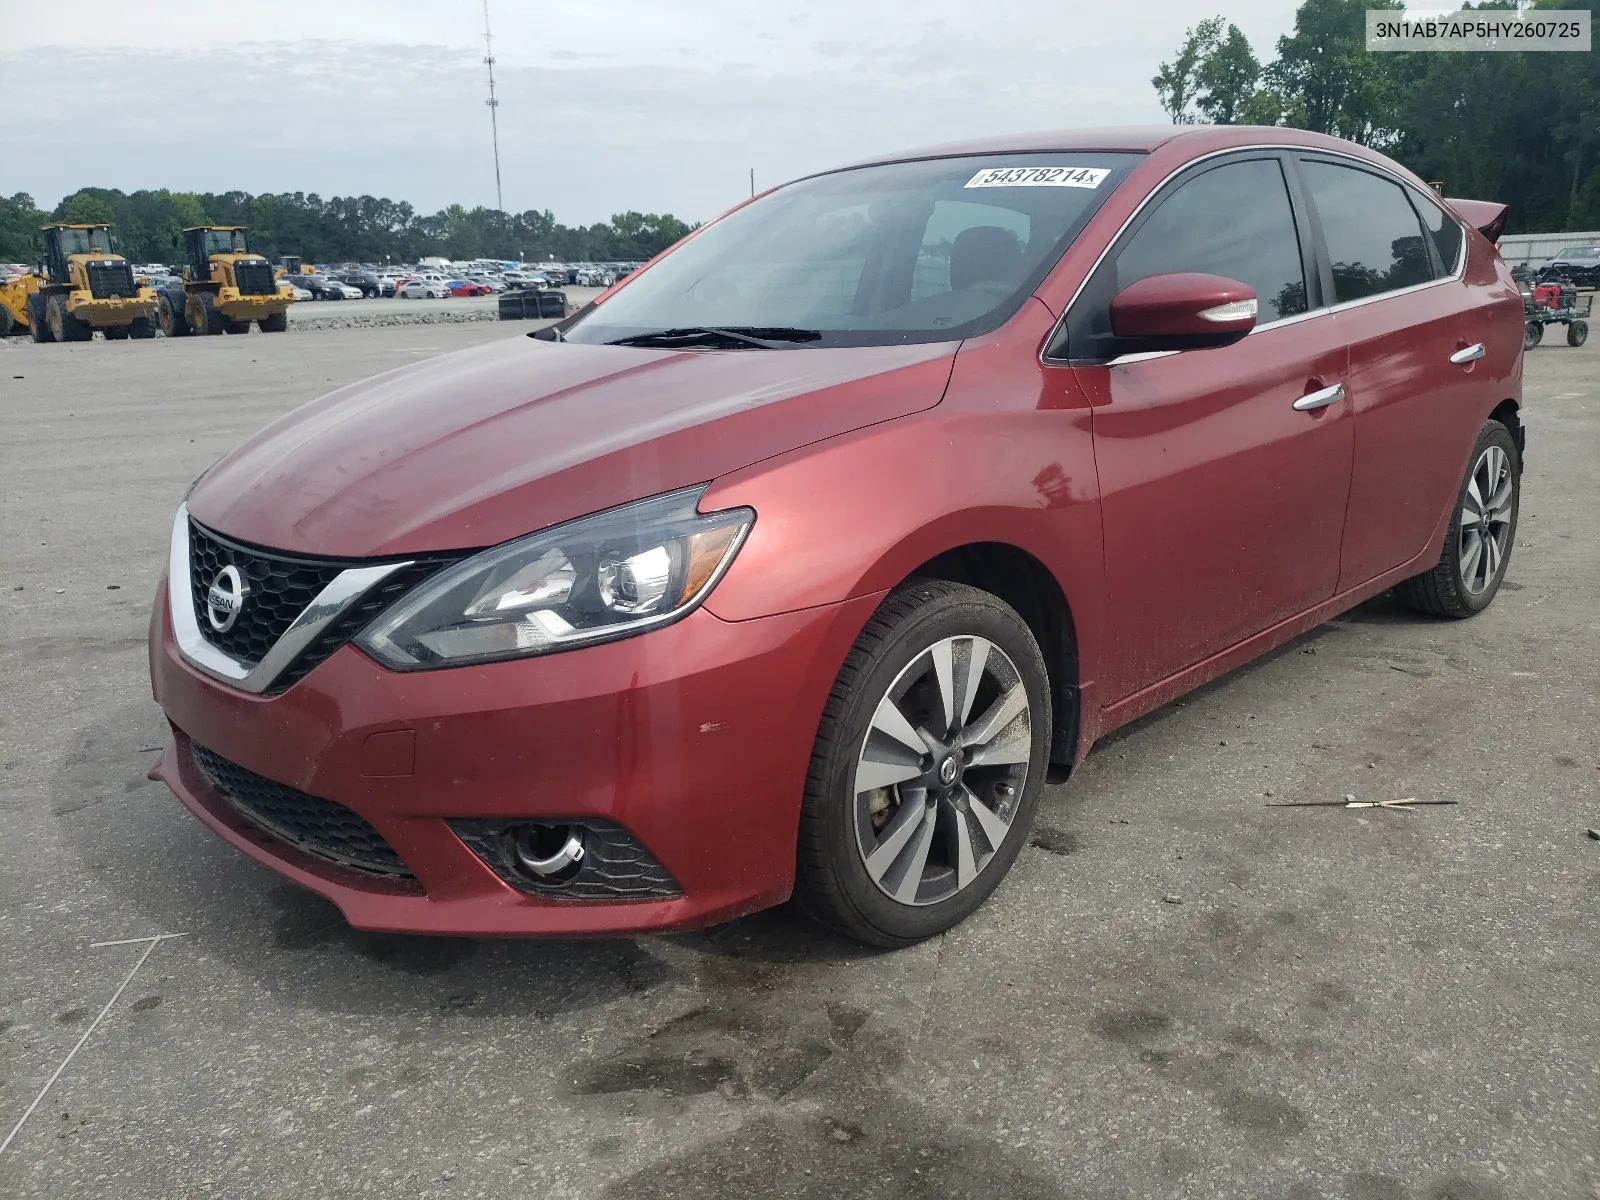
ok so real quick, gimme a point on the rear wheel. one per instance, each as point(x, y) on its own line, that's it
point(171, 317)
point(1577, 333)
point(235, 326)
point(7, 321)
point(38, 325)
point(927, 767)
point(141, 327)
point(1482, 533)
point(1532, 335)
point(115, 333)
point(276, 323)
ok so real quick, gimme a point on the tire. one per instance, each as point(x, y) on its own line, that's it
point(65, 326)
point(235, 326)
point(890, 680)
point(203, 315)
point(1462, 583)
point(1532, 335)
point(276, 323)
point(171, 317)
point(1577, 333)
point(38, 327)
point(141, 328)
point(7, 322)
point(115, 333)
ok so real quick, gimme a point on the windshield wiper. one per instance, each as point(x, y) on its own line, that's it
point(759, 337)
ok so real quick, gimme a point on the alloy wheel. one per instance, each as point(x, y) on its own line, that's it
point(1486, 519)
point(942, 770)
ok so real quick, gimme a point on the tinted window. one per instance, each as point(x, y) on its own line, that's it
point(1233, 221)
point(1373, 235)
point(1444, 231)
point(930, 250)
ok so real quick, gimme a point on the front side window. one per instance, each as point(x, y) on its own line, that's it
point(1232, 220)
point(1373, 236)
point(933, 250)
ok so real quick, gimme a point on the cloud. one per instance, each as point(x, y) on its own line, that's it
point(600, 111)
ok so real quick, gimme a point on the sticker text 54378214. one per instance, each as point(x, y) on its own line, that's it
point(1078, 177)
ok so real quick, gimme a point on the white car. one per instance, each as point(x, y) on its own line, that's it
point(349, 291)
point(295, 290)
point(422, 289)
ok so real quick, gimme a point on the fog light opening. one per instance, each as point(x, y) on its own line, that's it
point(549, 853)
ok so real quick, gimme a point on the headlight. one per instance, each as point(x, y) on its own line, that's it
point(596, 579)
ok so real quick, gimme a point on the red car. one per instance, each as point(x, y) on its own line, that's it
point(465, 287)
point(796, 564)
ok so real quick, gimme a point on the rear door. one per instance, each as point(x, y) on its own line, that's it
point(1223, 504)
point(1393, 268)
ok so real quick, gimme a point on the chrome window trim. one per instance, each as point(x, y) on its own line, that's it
point(346, 588)
point(1326, 310)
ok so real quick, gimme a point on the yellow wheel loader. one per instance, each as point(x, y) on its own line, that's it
point(14, 297)
point(86, 287)
point(224, 288)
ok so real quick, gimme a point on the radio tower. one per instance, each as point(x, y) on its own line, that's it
point(494, 119)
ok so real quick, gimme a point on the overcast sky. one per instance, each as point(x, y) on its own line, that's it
point(606, 105)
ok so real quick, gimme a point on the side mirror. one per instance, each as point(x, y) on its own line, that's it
point(1184, 311)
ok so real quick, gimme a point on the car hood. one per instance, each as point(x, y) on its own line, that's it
point(474, 448)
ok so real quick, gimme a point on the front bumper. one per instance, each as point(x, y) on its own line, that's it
point(120, 311)
point(695, 738)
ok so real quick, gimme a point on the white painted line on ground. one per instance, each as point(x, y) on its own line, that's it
point(154, 941)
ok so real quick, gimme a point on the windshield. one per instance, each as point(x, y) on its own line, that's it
point(1580, 252)
point(225, 241)
point(934, 250)
point(85, 241)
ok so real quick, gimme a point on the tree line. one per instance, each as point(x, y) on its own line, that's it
point(1519, 128)
point(149, 224)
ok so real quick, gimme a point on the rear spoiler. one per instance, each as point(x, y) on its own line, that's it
point(1487, 217)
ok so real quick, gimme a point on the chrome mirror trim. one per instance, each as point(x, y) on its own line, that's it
point(345, 589)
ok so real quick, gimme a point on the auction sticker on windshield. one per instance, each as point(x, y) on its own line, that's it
point(1078, 177)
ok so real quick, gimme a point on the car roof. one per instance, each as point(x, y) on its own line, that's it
point(1124, 138)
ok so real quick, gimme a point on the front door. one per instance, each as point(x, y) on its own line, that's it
point(1223, 503)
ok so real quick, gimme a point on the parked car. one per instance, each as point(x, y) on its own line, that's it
point(796, 565)
point(368, 283)
point(466, 287)
point(326, 287)
point(297, 292)
point(494, 283)
point(420, 289)
point(526, 279)
point(1580, 265)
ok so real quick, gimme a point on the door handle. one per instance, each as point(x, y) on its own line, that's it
point(1471, 354)
point(1315, 400)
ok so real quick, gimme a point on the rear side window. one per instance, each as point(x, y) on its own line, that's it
point(1444, 231)
point(1233, 220)
point(1373, 235)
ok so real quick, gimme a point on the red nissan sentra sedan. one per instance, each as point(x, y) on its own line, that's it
point(795, 564)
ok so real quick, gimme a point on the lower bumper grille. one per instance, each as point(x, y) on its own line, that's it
point(319, 827)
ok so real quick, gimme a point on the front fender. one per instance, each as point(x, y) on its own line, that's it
point(859, 513)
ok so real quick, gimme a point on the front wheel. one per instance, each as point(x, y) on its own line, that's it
point(1577, 333)
point(1532, 335)
point(927, 766)
point(275, 323)
point(1482, 532)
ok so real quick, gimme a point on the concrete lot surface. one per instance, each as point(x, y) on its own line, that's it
point(1368, 1005)
point(378, 310)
